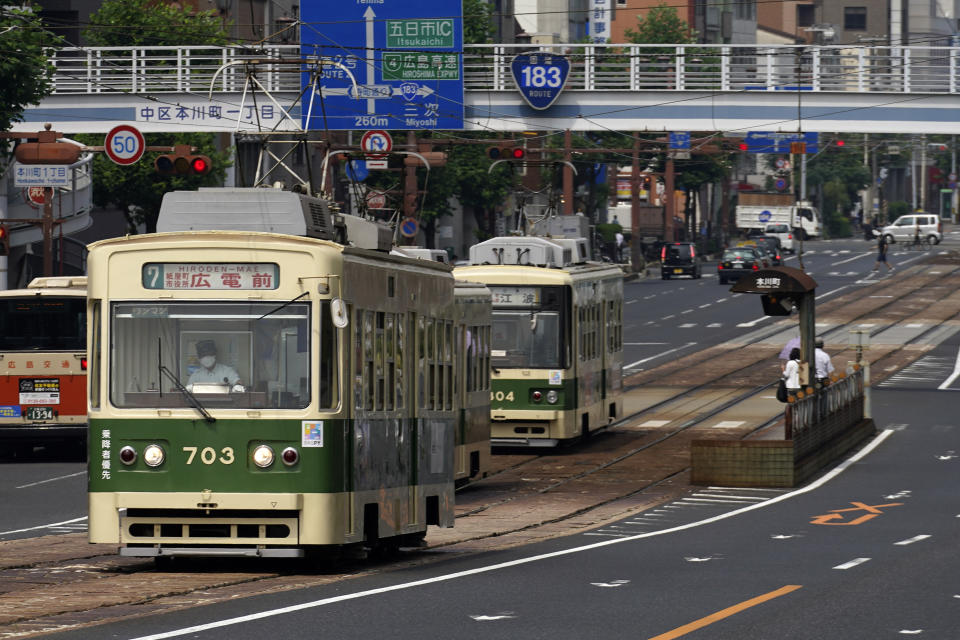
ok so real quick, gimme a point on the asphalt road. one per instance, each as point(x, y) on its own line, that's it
point(868, 550)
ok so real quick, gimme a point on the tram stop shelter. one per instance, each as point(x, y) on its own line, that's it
point(783, 289)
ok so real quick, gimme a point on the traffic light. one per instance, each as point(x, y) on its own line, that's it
point(840, 143)
point(506, 153)
point(182, 162)
point(4, 241)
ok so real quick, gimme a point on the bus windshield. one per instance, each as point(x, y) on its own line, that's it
point(43, 323)
point(228, 355)
point(526, 340)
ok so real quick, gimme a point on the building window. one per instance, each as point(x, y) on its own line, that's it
point(804, 15)
point(855, 18)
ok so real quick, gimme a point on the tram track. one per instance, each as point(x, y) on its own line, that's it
point(61, 582)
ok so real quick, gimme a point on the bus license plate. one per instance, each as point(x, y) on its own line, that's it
point(39, 413)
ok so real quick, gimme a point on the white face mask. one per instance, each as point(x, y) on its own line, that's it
point(208, 361)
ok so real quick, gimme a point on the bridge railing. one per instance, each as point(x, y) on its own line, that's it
point(594, 67)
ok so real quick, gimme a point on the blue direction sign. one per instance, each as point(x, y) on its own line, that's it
point(357, 170)
point(773, 142)
point(679, 139)
point(540, 77)
point(389, 64)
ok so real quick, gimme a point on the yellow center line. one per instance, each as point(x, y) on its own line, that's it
point(726, 613)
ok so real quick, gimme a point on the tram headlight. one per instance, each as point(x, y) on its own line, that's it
point(290, 456)
point(263, 456)
point(128, 455)
point(153, 455)
point(552, 396)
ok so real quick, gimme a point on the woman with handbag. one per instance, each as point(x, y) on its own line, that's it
point(791, 372)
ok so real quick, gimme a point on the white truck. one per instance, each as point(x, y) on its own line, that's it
point(802, 217)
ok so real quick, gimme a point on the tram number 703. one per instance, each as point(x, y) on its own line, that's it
point(500, 396)
point(208, 455)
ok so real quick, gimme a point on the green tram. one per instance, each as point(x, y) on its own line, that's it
point(557, 344)
point(472, 459)
point(327, 414)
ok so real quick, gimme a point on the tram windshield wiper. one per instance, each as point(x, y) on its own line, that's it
point(186, 392)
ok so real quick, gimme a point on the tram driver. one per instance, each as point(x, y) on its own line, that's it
point(213, 372)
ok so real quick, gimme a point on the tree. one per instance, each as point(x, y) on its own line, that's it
point(477, 22)
point(137, 189)
point(24, 68)
point(661, 25)
point(838, 174)
point(124, 23)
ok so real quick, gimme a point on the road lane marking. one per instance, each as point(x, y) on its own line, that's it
point(953, 376)
point(726, 613)
point(655, 423)
point(727, 424)
point(269, 613)
point(904, 543)
point(659, 355)
point(851, 564)
point(70, 475)
point(43, 526)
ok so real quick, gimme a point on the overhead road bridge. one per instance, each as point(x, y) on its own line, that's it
point(729, 88)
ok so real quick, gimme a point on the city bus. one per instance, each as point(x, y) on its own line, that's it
point(43, 359)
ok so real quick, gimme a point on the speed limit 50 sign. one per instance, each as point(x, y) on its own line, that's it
point(124, 144)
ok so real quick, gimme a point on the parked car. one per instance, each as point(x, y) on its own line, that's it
point(783, 233)
point(905, 227)
point(680, 259)
point(737, 261)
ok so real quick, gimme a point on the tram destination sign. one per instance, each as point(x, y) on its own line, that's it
point(221, 276)
point(515, 296)
point(382, 64)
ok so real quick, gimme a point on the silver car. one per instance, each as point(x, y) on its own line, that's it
point(904, 228)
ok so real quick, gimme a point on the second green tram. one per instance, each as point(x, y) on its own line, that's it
point(557, 343)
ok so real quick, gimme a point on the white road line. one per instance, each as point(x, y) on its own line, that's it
point(33, 484)
point(852, 563)
point(754, 322)
point(954, 375)
point(659, 355)
point(260, 615)
point(856, 257)
point(904, 543)
point(43, 526)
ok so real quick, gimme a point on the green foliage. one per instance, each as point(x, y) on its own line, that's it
point(137, 190)
point(121, 23)
point(477, 22)
point(837, 174)
point(896, 209)
point(661, 25)
point(24, 68)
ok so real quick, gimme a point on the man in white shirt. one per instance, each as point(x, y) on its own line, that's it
point(823, 365)
point(211, 371)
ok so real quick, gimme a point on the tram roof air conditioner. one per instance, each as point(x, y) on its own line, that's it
point(267, 210)
point(522, 250)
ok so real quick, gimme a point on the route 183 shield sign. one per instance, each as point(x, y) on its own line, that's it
point(540, 77)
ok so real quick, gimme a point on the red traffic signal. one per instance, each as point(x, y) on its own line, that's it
point(506, 153)
point(4, 241)
point(173, 164)
point(840, 143)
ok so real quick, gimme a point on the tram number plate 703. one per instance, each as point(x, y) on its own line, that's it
point(39, 413)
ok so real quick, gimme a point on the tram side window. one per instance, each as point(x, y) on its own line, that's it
point(93, 374)
point(260, 355)
point(448, 365)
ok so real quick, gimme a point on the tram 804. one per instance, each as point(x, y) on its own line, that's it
point(43, 360)
point(557, 344)
point(260, 394)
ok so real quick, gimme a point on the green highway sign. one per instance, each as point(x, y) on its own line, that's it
point(421, 66)
point(420, 33)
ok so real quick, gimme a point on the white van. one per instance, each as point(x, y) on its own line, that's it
point(781, 232)
point(905, 227)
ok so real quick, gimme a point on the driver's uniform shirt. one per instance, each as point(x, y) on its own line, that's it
point(217, 375)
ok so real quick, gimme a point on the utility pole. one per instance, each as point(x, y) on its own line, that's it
point(567, 174)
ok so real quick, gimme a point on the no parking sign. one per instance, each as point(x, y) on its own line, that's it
point(409, 227)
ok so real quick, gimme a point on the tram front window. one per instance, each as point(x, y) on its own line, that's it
point(229, 355)
point(525, 340)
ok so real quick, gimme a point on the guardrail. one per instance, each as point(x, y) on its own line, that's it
point(594, 67)
point(816, 418)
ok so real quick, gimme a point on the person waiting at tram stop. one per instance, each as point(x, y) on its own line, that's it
point(791, 372)
point(213, 372)
point(822, 362)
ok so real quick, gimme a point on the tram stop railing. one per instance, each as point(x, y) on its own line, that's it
point(819, 416)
